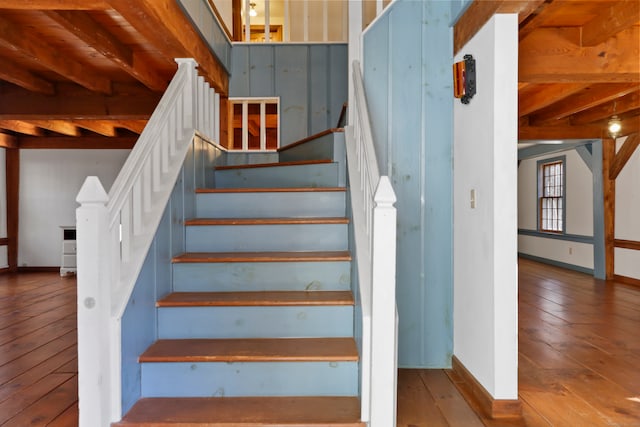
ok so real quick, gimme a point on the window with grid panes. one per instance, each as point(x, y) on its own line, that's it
point(552, 196)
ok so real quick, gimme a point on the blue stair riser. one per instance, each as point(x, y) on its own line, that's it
point(255, 322)
point(315, 175)
point(258, 238)
point(219, 379)
point(271, 205)
point(262, 276)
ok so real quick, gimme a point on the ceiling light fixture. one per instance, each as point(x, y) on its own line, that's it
point(614, 126)
point(252, 10)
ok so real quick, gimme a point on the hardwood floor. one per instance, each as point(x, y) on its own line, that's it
point(38, 363)
point(579, 359)
point(579, 356)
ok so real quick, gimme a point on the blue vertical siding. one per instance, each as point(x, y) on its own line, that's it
point(139, 321)
point(201, 15)
point(310, 79)
point(407, 57)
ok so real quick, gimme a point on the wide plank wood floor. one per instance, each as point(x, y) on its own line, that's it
point(579, 359)
point(579, 356)
point(38, 354)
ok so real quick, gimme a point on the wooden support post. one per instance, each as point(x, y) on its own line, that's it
point(609, 187)
point(237, 20)
point(12, 162)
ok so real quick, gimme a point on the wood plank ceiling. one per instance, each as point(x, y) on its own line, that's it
point(579, 64)
point(89, 73)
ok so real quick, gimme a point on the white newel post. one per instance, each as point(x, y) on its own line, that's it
point(94, 305)
point(383, 320)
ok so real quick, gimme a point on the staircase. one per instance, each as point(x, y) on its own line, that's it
point(259, 328)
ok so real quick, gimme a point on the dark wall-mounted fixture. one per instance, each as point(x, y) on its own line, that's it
point(464, 79)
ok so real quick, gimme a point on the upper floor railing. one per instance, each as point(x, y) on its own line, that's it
point(115, 231)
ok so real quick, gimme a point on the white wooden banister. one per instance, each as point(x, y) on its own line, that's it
point(374, 221)
point(115, 231)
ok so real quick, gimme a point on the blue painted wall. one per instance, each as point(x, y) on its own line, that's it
point(139, 325)
point(202, 17)
point(310, 79)
point(457, 9)
point(407, 74)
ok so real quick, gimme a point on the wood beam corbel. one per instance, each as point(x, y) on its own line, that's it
point(623, 155)
point(88, 30)
point(31, 45)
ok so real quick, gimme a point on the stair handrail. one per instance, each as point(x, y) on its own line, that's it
point(374, 222)
point(115, 231)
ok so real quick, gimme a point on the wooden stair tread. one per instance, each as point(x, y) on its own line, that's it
point(325, 411)
point(274, 164)
point(320, 256)
point(265, 221)
point(270, 190)
point(252, 350)
point(256, 298)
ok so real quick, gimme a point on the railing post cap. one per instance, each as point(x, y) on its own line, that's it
point(92, 192)
point(186, 62)
point(384, 192)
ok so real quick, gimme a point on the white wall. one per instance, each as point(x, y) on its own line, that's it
point(627, 261)
point(579, 211)
point(485, 237)
point(49, 183)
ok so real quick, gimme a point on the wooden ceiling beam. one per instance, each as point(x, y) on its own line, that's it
point(84, 143)
point(58, 126)
point(560, 132)
point(620, 105)
point(479, 13)
point(23, 78)
point(541, 96)
point(549, 55)
point(165, 25)
point(135, 126)
point(21, 127)
point(88, 30)
point(614, 19)
point(589, 98)
point(31, 45)
point(24, 105)
point(54, 4)
point(100, 127)
point(537, 18)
